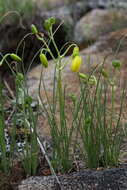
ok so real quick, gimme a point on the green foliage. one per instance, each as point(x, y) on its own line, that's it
point(100, 130)
point(24, 7)
point(93, 111)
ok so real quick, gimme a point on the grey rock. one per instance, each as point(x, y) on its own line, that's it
point(98, 23)
point(107, 179)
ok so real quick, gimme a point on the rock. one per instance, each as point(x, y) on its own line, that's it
point(107, 3)
point(98, 23)
point(51, 4)
point(107, 179)
point(113, 44)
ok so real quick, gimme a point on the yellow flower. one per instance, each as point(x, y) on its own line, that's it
point(44, 60)
point(76, 63)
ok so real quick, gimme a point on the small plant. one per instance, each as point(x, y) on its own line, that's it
point(100, 129)
point(60, 133)
point(22, 107)
point(4, 159)
point(29, 122)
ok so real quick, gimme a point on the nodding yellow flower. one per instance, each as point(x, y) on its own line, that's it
point(43, 60)
point(76, 63)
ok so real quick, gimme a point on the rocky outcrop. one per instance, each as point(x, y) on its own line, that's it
point(107, 179)
point(98, 23)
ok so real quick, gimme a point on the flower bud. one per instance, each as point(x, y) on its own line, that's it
point(52, 20)
point(76, 63)
point(75, 51)
point(44, 60)
point(47, 25)
point(34, 29)
point(49, 22)
point(92, 80)
point(116, 64)
point(104, 73)
point(15, 57)
point(83, 76)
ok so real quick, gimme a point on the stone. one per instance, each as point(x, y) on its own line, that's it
point(98, 23)
point(106, 179)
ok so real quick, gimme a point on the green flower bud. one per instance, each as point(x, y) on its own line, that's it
point(104, 73)
point(15, 57)
point(49, 22)
point(34, 29)
point(47, 25)
point(44, 60)
point(52, 20)
point(75, 51)
point(92, 80)
point(116, 64)
point(83, 76)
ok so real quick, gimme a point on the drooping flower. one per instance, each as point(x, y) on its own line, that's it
point(15, 57)
point(76, 63)
point(43, 60)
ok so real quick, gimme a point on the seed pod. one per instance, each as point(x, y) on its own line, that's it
point(44, 60)
point(34, 29)
point(116, 64)
point(76, 63)
point(15, 57)
point(75, 52)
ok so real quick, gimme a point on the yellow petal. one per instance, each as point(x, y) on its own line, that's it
point(76, 63)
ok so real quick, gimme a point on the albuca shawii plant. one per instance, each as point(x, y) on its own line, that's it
point(93, 110)
point(101, 129)
point(60, 133)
